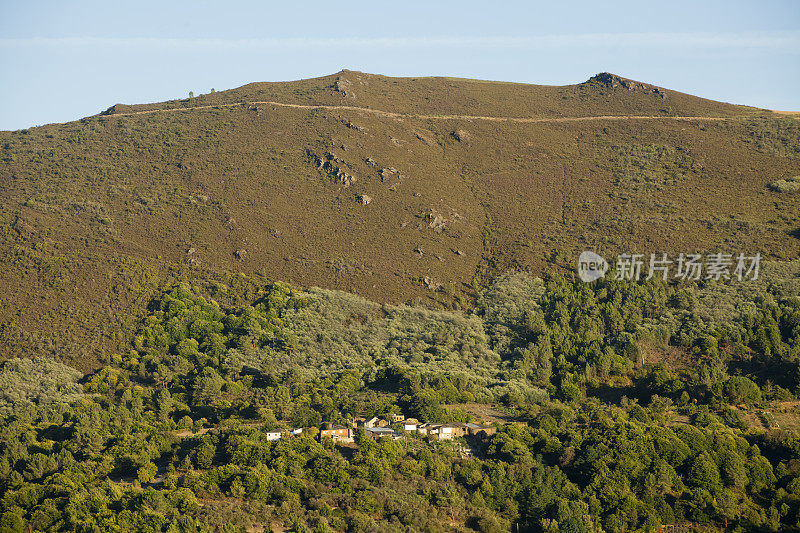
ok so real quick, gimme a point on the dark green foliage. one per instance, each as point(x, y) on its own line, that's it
point(173, 437)
point(739, 389)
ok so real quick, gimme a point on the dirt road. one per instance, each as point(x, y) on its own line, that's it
point(390, 114)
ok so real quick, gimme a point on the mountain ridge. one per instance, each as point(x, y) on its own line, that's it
point(330, 89)
point(395, 202)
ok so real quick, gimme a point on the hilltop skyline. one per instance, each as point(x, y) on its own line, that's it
point(64, 62)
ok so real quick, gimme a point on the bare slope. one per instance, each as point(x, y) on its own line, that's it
point(394, 204)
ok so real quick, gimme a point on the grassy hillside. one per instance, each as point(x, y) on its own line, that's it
point(98, 215)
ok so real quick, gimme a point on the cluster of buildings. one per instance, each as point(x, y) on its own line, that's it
point(277, 434)
point(378, 428)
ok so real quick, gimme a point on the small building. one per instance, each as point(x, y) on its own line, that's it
point(443, 433)
point(410, 425)
point(383, 423)
point(428, 428)
point(371, 423)
point(297, 431)
point(458, 429)
point(397, 418)
point(480, 430)
point(450, 431)
point(359, 421)
point(337, 433)
point(380, 432)
point(274, 434)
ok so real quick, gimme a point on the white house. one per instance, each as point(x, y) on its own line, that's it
point(444, 432)
point(428, 428)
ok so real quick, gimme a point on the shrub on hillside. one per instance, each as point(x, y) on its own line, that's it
point(787, 185)
point(341, 330)
point(37, 381)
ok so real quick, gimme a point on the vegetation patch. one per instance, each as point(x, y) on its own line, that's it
point(38, 381)
point(786, 185)
point(643, 166)
point(779, 136)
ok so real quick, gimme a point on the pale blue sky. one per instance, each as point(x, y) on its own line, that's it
point(65, 59)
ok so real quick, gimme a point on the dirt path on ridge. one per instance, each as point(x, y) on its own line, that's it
point(391, 114)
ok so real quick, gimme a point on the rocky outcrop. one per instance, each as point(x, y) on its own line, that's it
point(436, 221)
point(390, 172)
point(116, 108)
point(391, 177)
point(351, 125)
point(439, 221)
point(191, 257)
point(343, 87)
point(335, 167)
point(612, 81)
point(431, 283)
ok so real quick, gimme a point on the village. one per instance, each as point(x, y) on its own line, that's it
point(396, 427)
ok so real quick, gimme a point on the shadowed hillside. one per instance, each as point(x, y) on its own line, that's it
point(392, 188)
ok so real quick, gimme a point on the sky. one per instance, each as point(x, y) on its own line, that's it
point(65, 59)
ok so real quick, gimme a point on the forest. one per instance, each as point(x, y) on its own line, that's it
point(626, 406)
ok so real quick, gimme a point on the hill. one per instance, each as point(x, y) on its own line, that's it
point(391, 188)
